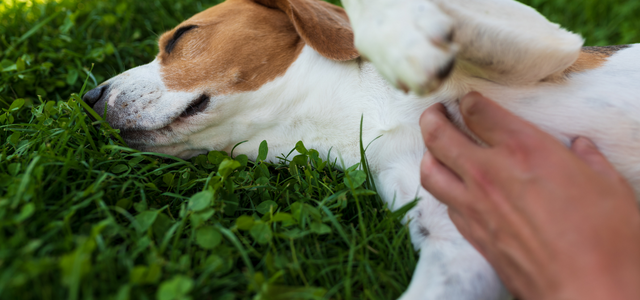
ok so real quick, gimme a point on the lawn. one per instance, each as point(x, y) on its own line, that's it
point(84, 217)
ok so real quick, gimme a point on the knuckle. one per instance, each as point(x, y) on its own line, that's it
point(514, 146)
point(460, 157)
point(427, 166)
point(517, 152)
point(477, 173)
point(426, 179)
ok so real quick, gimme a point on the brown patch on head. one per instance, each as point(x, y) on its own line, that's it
point(590, 58)
point(237, 46)
point(240, 45)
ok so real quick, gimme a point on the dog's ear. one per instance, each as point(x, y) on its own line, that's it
point(322, 26)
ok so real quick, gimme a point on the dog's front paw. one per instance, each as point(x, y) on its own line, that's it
point(409, 42)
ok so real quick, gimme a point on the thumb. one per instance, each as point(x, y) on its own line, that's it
point(586, 150)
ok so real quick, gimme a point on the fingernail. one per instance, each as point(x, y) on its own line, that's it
point(585, 142)
point(471, 96)
point(467, 102)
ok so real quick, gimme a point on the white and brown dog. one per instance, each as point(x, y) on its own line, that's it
point(288, 70)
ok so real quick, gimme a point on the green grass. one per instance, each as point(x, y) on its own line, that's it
point(84, 217)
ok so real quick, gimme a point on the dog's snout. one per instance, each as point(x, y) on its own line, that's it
point(93, 96)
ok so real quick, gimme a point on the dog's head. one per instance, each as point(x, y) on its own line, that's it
point(181, 103)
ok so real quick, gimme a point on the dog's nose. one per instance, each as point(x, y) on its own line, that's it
point(93, 96)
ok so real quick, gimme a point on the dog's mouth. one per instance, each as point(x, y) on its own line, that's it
point(167, 132)
point(197, 106)
point(145, 137)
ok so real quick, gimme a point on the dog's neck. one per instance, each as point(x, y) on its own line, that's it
point(323, 102)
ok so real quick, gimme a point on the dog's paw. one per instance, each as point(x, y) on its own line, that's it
point(409, 42)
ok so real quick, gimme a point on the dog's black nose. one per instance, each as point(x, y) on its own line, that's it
point(93, 96)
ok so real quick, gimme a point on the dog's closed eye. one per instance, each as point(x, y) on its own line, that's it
point(176, 36)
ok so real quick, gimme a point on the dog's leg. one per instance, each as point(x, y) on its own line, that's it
point(412, 42)
point(449, 267)
point(409, 41)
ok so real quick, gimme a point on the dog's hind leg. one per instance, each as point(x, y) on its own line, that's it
point(449, 267)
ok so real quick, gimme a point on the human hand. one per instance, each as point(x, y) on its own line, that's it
point(555, 223)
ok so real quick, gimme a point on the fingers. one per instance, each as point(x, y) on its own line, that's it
point(445, 142)
point(468, 230)
point(461, 224)
point(441, 182)
point(492, 123)
point(588, 152)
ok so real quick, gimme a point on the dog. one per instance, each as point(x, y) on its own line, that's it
point(290, 70)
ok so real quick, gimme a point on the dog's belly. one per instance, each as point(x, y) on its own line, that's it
point(602, 104)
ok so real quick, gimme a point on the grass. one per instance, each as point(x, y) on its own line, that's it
point(84, 217)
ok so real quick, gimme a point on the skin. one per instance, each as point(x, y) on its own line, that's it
point(555, 223)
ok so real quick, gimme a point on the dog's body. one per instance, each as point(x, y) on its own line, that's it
point(287, 70)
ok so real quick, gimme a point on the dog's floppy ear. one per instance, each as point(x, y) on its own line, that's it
point(322, 26)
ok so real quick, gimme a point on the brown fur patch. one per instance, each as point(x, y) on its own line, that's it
point(323, 26)
point(238, 46)
point(593, 57)
point(606, 50)
point(590, 58)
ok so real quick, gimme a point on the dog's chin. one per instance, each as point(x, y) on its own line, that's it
point(159, 141)
point(182, 153)
point(178, 150)
point(143, 139)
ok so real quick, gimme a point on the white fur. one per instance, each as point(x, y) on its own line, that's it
point(503, 50)
point(148, 104)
